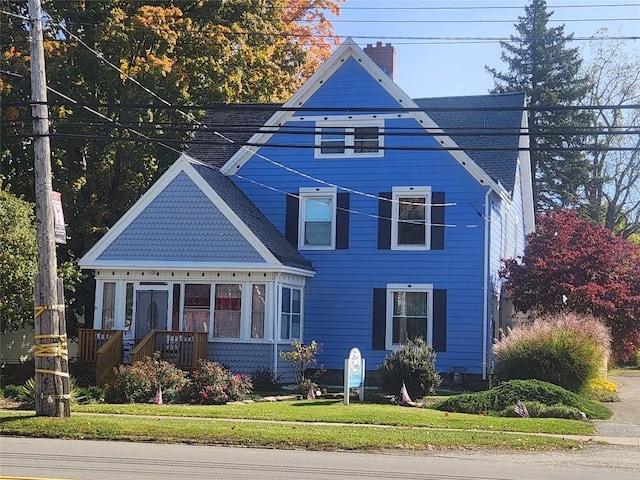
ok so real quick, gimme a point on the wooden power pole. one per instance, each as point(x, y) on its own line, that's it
point(51, 360)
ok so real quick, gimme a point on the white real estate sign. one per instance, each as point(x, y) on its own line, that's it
point(354, 374)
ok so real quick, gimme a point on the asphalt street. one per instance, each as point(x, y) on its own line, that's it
point(93, 460)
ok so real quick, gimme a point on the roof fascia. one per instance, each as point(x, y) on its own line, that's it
point(350, 49)
point(526, 177)
point(200, 266)
point(131, 214)
point(228, 212)
point(182, 164)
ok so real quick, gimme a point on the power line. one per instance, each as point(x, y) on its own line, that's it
point(372, 109)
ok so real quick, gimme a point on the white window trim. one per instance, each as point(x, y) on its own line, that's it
point(399, 287)
point(278, 332)
point(397, 193)
point(323, 192)
point(349, 125)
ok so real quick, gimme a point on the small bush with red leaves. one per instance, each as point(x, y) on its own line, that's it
point(212, 384)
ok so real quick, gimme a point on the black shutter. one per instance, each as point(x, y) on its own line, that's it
point(440, 320)
point(437, 221)
point(291, 219)
point(379, 318)
point(342, 222)
point(384, 221)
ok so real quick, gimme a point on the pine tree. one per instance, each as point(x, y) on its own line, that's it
point(541, 65)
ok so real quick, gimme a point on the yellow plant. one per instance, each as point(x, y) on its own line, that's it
point(602, 385)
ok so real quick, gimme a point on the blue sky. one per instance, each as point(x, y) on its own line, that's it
point(433, 68)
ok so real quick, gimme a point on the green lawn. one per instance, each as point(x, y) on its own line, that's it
point(319, 425)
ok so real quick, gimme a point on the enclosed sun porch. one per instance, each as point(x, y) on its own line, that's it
point(235, 318)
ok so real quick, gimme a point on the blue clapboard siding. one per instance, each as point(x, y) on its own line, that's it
point(338, 300)
point(363, 90)
point(179, 225)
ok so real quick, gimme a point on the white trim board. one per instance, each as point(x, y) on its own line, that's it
point(182, 164)
point(349, 49)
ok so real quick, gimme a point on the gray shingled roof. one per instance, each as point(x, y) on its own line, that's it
point(236, 122)
point(494, 114)
point(268, 234)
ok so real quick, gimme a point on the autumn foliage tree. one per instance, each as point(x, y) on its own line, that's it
point(570, 264)
point(128, 81)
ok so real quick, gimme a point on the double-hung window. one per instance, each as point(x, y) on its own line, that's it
point(411, 218)
point(317, 218)
point(349, 138)
point(409, 314)
point(290, 313)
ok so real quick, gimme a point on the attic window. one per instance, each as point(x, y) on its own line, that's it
point(349, 138)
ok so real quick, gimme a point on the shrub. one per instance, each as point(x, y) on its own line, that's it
point(540, 410)
point(26, 394)
point(92, 394)
point(415, 365)
point(264, 380)
point(11, 391)
point(566, 350)
point(602, 390)
point(507, 394)
point(301, 358)
point(213, 384)
point(140, 381)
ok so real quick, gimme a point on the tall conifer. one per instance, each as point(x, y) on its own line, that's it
point(540, 64)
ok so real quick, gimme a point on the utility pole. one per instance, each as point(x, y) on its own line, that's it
point(51, 360)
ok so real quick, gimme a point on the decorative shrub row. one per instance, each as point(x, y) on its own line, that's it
point(209, 383)
point(507, 394)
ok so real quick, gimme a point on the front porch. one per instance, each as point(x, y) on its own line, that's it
point(102, 350)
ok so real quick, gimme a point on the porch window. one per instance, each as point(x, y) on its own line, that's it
point(128, 308)
point(257, 310)
point(108, 305)
point(197, 307)
point(290, 313)
point(228, 309)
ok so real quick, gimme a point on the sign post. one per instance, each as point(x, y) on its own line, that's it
point(354, 374)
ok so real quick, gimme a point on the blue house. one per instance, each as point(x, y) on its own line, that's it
point(352, 215)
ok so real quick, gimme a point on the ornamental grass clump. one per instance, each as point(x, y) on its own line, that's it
point(567, 350)
point(212, 384)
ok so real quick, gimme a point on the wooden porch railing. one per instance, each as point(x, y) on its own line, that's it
point(90, 341)
point(108, 357)
point(183, 349)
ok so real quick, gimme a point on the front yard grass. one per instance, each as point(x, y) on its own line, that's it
point(314, 425)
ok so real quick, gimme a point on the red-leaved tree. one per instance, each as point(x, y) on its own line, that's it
point(573, 265)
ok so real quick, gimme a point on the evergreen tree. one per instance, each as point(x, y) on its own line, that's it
point(540, 64)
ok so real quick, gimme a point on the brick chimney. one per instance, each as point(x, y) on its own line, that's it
point(384, 56)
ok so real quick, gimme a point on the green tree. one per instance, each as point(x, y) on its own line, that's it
point(540, 64)
point(111, 137)
point(18, 254)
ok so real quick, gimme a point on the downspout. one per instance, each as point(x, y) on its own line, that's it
point(276, 323)
point(485, 316)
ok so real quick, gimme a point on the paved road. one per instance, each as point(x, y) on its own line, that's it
point(71, 459)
